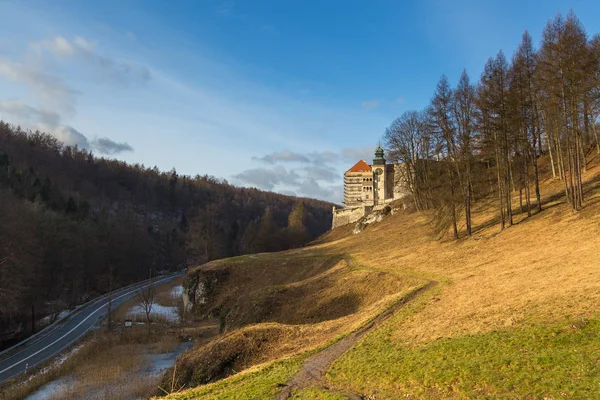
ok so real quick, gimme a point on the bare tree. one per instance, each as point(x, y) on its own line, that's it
point(465, 114)
point(147, 298)
point(441, 111)
point(407, 141)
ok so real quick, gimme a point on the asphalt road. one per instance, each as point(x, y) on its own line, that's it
point(55, 339)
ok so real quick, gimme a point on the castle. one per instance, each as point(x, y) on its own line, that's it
point(368, 187)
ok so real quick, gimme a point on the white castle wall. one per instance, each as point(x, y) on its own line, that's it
point(345, 216)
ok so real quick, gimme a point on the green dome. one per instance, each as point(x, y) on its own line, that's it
point(379, 159)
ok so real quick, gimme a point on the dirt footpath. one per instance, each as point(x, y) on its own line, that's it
point(313, 370)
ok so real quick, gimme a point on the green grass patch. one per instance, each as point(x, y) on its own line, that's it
point(558, 360)
point(260, 384)
point(317, 394)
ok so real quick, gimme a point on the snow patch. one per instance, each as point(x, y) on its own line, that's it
point(168, 312)
point(50, 389)
point(177, 291)
point(48, 319)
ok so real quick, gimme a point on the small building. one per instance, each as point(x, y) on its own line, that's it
point(367, 187)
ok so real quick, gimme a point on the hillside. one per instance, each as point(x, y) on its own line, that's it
point(73, 225)
point(511, 314)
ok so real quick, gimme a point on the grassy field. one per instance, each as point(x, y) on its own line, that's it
point(538, 361)
point(515, 315)
point(259, 383)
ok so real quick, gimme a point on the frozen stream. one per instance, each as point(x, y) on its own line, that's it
point(50, 389)
point(158, 364)
point(161, 362)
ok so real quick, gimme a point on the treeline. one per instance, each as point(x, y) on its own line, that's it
point(72, 224)
point(475, 140)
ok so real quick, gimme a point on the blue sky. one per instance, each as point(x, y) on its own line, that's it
point(280, 95)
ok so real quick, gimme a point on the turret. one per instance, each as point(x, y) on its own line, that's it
point(379, 159)
point(379, 185)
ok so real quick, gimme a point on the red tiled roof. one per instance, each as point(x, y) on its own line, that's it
point(360, 166)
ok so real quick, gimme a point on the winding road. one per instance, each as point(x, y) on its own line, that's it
point(57, 337)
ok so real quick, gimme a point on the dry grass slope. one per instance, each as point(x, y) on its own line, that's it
point(263, 319)
point(523, 286)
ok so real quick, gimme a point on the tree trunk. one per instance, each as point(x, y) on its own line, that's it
point(468, 199)
point(595, 133)
point(452, 192)
point(549, 142)
point(500, 198)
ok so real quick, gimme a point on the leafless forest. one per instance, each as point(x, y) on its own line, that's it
point(486, 139)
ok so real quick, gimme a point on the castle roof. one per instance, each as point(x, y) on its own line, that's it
point(360, 166)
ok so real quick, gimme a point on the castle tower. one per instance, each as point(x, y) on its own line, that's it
point(379, 173)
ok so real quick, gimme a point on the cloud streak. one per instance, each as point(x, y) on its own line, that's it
point(109, 146)
point(51, 122)
point(49, 88)
point(266, 178)
point(57, 97)
point(311, 174)
point(371, 104)
point(84, 50)
point(283, 156)
point(24, 112)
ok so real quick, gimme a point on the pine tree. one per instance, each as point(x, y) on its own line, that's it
point(266, 231)
point(296, 230)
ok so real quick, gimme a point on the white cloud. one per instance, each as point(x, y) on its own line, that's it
point(81, 49)
point(282, 156)
point(24, 112)
point(56, 97)
point(268, 179)
point(354, 154)
point(71, 136)
point(84, 44)
point(50, 89)
point(315, 174)
point(326, 174)
point(51, 122)
point(108, 146)
point(371, 104)
point(324, 157)
point(311, 188)
point(400, 100)
point(61, 46)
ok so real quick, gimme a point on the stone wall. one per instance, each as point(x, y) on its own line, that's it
point(348, 215)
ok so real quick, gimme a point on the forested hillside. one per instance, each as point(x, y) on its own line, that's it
point(72, 224)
